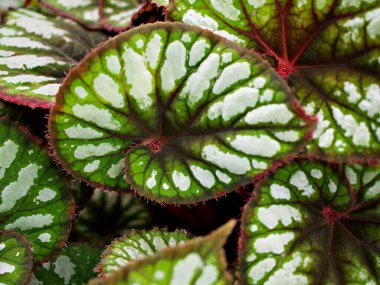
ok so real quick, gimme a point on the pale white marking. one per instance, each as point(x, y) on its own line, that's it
point(257, 3)
point(79, 132)
point(113, 64)
point(108, 89)
point(145, 246)
point(226, 57)
point(186, 38)
point(226, 8)
point(91, 166)
point(91, 15)
point(233, 163)
point(259, 270)
point(2, 246)
point(261, 145)
point(3, 72)
point(27, 78)
point(180, 180)
point(205, 177)
point(351, 175)
point(373, 191)
point(46, 195)
point(5, 31)
point(45, 237)
point(332, 186)
point(369, 176)
point(139, 78)
point(234, 103)
point(64, 268)
point(316, 173)
point(139, 43)
point(153, 50)
point(223, 177)
point(267, 96)
point(373, 27)
point(89, 150)
point(71, 4)
point(6, 268)
point(231, 75)
point(274, 214)
point(159, 275)
point(116, 169)
point(81, 92)
point(273, 113)
point(310, 109)
point(123, 17)
point(279, 192)
point(194, 18)
point(19, 188)
point(200, 81)
point(259, 164)
point(22, 42)
point(371, 103)
point(352, 91)
point(300, 181)
point(253, 228)
point(209, 275)
point(31, 222)
point(273, 243)
point(101, 117)
point(174, 66)
point(259, 82)
point(287, 136)
point(198, 51)
point(159, 243)
point(229, 36)
point(28, 61)
point(359, 132)
point(151, 181)
point(8, 153)
point(48, 89)
point(326, 139)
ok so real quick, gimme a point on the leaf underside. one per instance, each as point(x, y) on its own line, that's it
point(75, 265)
point(36, 51)
point(198, 261)
point(34, 199)
point(187, 115)
point(137, 245)
point(313, 223)
point(16, 260)
point(108, 215)
point(329, 51)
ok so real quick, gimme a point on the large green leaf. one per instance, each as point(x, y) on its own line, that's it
point(36, 51)
point(75, 265)
point(329, 52)
point(16, 260)
point(189, 115)
point(34, 199)
point(313, 223)
point(108, 215)
point(199, 261)
point(137, 245)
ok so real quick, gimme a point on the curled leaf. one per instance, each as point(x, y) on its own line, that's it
point(313, 223)
point(16, 259)
point(187, 115)
point(34, 199)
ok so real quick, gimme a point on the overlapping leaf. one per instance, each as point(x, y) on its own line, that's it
point(75, 265)
point(109, 215)
point(198, 261)
point(34, 199)
point(137, 245)
point(16, 260)
point(36, 51)
point(116, 15)
point(189, 115)
point(313, 223)
point(329, 51)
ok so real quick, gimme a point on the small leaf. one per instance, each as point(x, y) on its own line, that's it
point(329, 52)
point(116, 15)
point(313, 223)
point(34, 199)
point(108, 215)
point(36, 51)
point(84, 12)
point(75, 265)
point(137, 245)
point(16, 260)
point(187, 115)
point(198, 261)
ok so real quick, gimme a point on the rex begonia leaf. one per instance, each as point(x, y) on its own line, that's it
point(84, 12)
point(328, 50)
point(34, 198)
point(110, 214)
point(199, 261)
point(137, 245)
point(36, 51)
point(75, 265)
point(313, 223)
point(116, 15)
point(16, 261)
point(187, 115)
